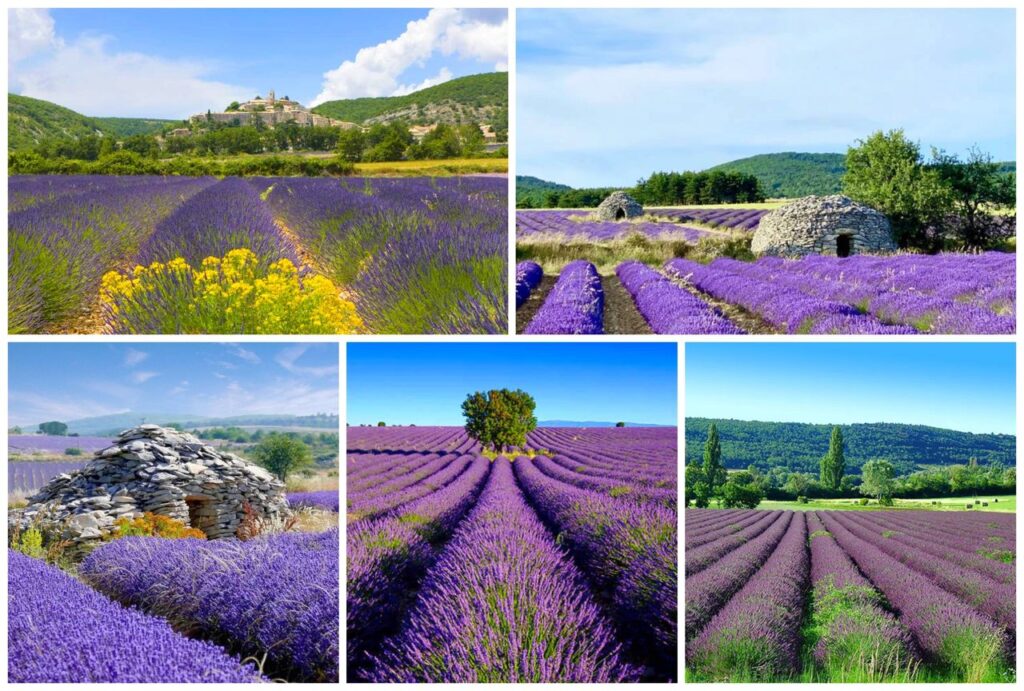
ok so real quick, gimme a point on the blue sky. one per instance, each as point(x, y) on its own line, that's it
point(608, 96)
point(65, 381)
point(962, 386)
point(425, 383)
point(172, 63)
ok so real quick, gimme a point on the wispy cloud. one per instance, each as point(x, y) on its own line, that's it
point(29, 408)
point(606, 97)
point(243, 354)
point(480, 35)
point(141, 377)
point(134, 357)
point(288, 360)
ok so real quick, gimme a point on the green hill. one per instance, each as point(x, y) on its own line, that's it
point(533, 189)
point(126, 127)
point(792, 174)
point(476, 98)
point(800, 446)
point(30, 120)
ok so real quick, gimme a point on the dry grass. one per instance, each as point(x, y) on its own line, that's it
point(554, 250)
point(316, 481)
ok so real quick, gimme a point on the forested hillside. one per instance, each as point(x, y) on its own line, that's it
point(800, 446)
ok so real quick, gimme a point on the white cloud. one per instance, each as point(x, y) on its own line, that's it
point(288, 359)
point(88, 75)
point(134, 357)
point(444, 75)
point(376, 70)
point(141, 377)
point(181, 388)
point(29, 31)
point(281, 397)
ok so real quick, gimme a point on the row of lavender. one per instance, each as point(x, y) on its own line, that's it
point(900, 294)
point(254, 611)
point(438, 246)
point(734, 219)
point(577, 225)
point(886, 595)
point(422, 506)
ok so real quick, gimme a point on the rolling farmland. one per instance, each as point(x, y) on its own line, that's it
point(150, 254)
point(558, 565)
point(834, 596)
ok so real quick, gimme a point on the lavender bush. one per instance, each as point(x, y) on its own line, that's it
point(61, 631)
point(274, 597)
point(528, 276)
point(575, 304)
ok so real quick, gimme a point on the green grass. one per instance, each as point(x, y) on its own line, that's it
point(1006, 504)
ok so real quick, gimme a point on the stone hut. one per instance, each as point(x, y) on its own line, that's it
point(619, 206)
point(833, 225)
point(150, 468)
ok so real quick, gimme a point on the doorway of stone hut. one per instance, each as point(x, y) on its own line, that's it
point(202, 514)
point(844, 244)
point(620, 214)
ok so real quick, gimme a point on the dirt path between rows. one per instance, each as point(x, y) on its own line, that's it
point(620, 313)
point(525, 314)
point(748, 321)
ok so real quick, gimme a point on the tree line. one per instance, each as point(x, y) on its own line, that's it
point(944, 202)
point(708, 480)
point(658, 189)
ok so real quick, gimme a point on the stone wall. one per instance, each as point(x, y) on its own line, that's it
point(813, 225)
point(158, 470)
point(617, 206)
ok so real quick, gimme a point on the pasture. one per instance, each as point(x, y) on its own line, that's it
point(463, 567)
point(843, 596)
point(150, 254)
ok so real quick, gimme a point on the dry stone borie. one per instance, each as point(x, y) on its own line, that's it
point(832, 225)
point(618, 206)
point(153, 469)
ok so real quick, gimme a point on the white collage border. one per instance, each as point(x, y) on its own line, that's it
point(512, 6)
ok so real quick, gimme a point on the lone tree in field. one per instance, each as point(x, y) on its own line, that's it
point(499, 418)
point(54, 428)
point(833, 463)
point(620, 424)
point(879, 480)
point(282, 454)
point(714, 472)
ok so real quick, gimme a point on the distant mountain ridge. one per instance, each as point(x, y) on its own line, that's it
point(474, 98)
point(111, 424)
point(800, 446)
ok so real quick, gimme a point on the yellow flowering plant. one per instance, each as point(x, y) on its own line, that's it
point(229, 295)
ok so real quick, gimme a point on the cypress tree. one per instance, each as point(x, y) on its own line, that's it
point(714, 473)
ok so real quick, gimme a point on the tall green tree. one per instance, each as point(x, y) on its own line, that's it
point(715, 474)
point(885, 171)
point(879, 480)
point(974, 186)
point(499, 418)
point(833, 463)
point(282, 454)
point(696, 490)
point(741, 491)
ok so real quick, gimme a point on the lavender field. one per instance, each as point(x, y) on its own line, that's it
point(25, 477)
point(557, 565)
point(842, 596)
point(903, 294)
point(148, 254)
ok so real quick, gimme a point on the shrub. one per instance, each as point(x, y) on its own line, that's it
point(864, 501)
point(29, 543)
point(801, 499)
point(735, 246)
point(72, 451)
point(154, 525)
point(229, 295)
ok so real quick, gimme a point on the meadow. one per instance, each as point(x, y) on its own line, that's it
point(555, 563)
point(150, 254)
point(843, 596)
point(1001, 503)
point(690, 271)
